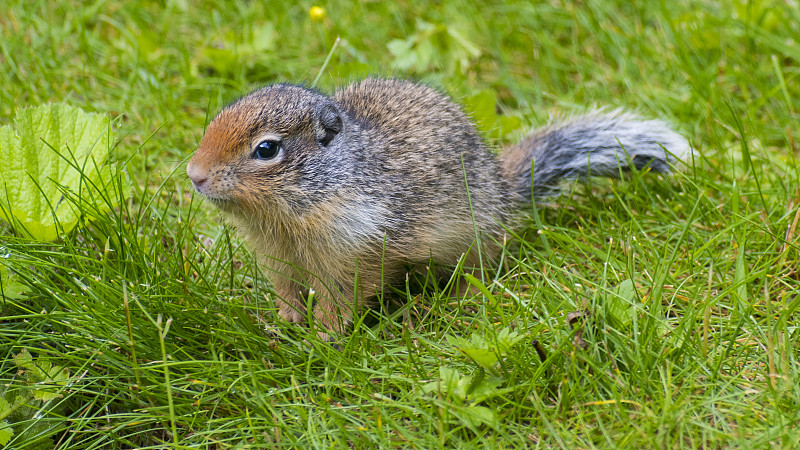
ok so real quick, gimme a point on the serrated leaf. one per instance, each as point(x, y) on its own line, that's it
point(404, 57)
point(482, 107)
point(45, 395)
point(483, 357)
point(10, 286)
point(478, 415)
point(6, 432)
point(482, 389)
point(434, 46)
point(52, 147)
point(470, 389)
point(451, 383)
point(507, 338)
point(44, 374)
point(53, 378)
point(24, 360)
point(621, 305)
point(486, 352)
point(229, 52)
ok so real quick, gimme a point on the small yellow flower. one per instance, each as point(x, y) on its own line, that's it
point(317, 13)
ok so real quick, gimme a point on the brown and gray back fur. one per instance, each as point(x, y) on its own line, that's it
point(374, 180)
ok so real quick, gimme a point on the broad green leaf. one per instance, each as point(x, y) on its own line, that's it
point(6, 432)
point(483, 357)
point(5, 407)
point(450, 382)
point(44, 374)
point(231, 51)
point(434, 46)
point(507, 339)
point(465, 392)
point(51, 378)
point(482, 107)
point(50, 148)
point(477, 415)
point(10, 286)
point(621, 305)
point(484, 350)
point(24, 360)
point(471, 389)
point(477, 350)
point(402, 50)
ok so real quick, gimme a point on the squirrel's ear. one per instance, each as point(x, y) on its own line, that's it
point(329, 123)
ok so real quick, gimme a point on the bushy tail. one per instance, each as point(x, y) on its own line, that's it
point(596, 144)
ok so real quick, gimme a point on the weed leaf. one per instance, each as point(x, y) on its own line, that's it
point(53, 149)
point(6, 432)
point(10, 286)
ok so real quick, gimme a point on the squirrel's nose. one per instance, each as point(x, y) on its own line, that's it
point(196, 174)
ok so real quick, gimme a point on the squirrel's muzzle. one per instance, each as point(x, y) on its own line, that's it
point(198, 175)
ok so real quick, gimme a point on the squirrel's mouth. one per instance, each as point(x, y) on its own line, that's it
point(224, 204)
point(233, 205)
point(214, 195)
point(221, 202)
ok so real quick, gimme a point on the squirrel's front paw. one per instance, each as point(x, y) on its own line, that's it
point(290, 313)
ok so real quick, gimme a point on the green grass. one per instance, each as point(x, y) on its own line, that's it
point(651, 312)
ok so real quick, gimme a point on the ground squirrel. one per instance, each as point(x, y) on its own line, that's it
point(340, 194)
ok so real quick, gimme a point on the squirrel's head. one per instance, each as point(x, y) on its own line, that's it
point(271, 151)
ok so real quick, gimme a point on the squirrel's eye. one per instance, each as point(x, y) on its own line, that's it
point(267, 150)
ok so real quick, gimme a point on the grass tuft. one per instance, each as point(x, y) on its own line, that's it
point(652, 312)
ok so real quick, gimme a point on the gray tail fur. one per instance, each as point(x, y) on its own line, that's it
point(596, 144)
